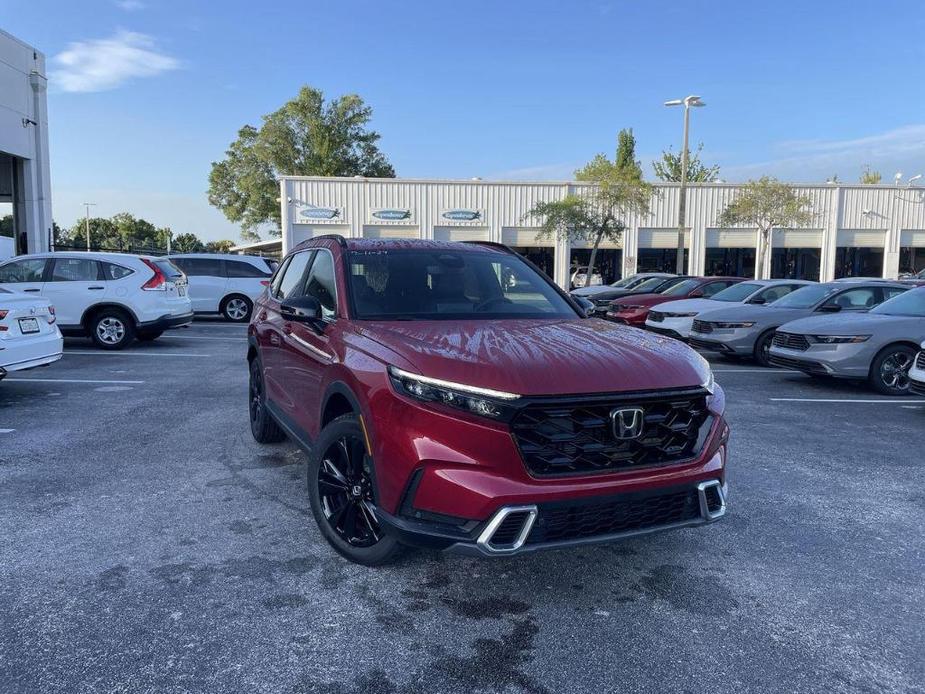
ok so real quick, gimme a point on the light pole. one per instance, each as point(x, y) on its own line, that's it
point(686, 102)
point(87, 206)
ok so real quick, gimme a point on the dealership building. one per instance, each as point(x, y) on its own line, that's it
point(25, 179)
point(857, 230)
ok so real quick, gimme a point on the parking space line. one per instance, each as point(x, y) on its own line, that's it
point(755, 371)
point(135, 354)
point(68, 380)
point(892, 401)
point(7, 431)
point(200, 337)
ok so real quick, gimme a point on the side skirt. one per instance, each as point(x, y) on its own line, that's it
point(293, 430)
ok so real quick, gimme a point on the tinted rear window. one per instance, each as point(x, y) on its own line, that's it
point(170, 270)
point(242, 268)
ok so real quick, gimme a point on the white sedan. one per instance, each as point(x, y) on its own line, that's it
point(28, 334)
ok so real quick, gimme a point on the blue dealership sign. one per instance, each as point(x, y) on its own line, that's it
point(307, 211)
point(462, 215)
point(392, 214)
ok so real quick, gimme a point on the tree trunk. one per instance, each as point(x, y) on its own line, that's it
point(597, 242)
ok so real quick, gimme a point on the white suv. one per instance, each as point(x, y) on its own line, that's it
point(111, 297)
point(225, 283)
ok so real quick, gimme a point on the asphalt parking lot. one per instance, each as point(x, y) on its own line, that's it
point(149, 545)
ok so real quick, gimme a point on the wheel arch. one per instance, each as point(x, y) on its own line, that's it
point(338, 400)
point(91, 311)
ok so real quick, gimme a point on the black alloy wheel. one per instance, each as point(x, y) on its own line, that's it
point(345, 490)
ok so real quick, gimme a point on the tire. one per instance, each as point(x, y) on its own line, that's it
point(149, 335)
point(112, 328)
point(340, 491)
point(263, 427)
point(889, 371)
point(236, 308)
point(763, 347)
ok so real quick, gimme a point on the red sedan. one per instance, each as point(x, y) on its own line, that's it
point(634, 309)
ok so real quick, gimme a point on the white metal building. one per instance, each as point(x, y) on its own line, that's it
point(859, 230)
point(25, 180)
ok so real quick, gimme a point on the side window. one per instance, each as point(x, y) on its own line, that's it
point(779, 292)
point(859, 299)
point(112, 271)
point(200, 267)
point(274, 287)
point(320, 284)
point(291, 281)
point(890, 292)
point(74, 270)
point(712, 288)
point(241, 268)
point(30, 270)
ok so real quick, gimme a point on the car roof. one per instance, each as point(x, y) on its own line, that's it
point(216, 256)
point(365, 244)
point(95, 255)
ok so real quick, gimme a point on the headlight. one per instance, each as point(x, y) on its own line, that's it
point(484, 402)
point(839, 339)
point(627, 307)
point(709, 383)
point(735, 325)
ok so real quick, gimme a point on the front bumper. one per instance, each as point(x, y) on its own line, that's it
point(917, 380)
point(524, 528)
point(739, 341)
point(678, 328)
point(840, 360)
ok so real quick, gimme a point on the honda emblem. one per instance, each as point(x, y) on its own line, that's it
point(627, 423)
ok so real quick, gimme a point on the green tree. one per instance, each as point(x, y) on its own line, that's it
point(307, 136)
point(222, 246)
point(869, 177)
point(767, 204)
point(6, 225)
point(102, 234)
point(625, 160)
point(669, 167)
point(187, 243)
point(598, 213)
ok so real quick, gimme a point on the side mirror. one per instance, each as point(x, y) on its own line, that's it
point(302, 309)
point(829, 308)
point(696, 294)
point(586, 305)
point(758, 300)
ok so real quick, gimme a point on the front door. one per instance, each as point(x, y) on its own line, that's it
point(26, 275)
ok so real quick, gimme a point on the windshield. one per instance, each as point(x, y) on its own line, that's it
point(649, 285)
point(628, 282)
point(685, 287)
point(409, 284)
point(911, 303)
point(921, 274)
point(737, 292)
point(807, 297)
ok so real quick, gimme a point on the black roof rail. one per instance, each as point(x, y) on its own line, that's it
point(337, 237)
point(493, 244)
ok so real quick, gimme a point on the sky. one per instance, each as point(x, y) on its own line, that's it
point(145, 94)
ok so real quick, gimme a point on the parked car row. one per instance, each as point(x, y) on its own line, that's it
point(857, 328)
point(115, 298)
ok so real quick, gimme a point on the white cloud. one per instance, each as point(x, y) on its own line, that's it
point(101, 64)
point(130, 5)
point(803, 161)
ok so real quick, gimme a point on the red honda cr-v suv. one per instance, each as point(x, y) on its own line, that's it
point(449, 395)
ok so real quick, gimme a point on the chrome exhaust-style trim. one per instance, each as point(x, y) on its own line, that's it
point(705, 507)
point(484, 542)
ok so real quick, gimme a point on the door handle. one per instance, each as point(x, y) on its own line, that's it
point(96, 287)
point(30, 290)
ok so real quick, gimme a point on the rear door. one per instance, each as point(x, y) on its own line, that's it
point(245, 278)
point(25, 275)
point(72, 286)
point(206, 277)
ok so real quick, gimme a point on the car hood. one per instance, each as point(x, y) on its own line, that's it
point(542, 357)
point(590, 291)
point(647, 299)
point(761, 314)
point(689, 305)
point(911, 327)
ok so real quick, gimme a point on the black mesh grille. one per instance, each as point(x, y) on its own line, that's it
point(791, 341)
point(798, 364)
point(509, 529)
point(714, 501)
point(920, 361)
point(917, 387)
point(656, 316)
point(702, 326)
point(616, 515)
point(574, 437)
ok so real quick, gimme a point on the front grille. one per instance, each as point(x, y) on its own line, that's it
point(656, 316)
point(920, 361)
point(626, 513)
point(565, 437)
point(702, 326)
point(917, 387)
point(799, 364)
point(708, 345)
point(791, 341)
